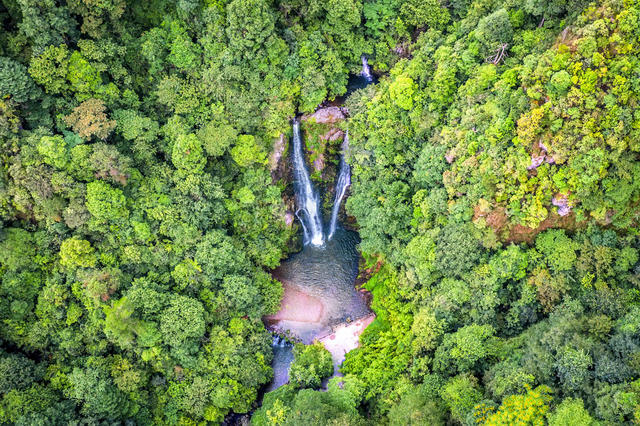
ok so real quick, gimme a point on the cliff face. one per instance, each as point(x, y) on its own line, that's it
point(278, 164)
point(323, 136)
point(323, 133)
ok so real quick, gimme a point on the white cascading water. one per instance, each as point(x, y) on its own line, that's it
point(306, 197)
point(366, 70)
point(344, 180)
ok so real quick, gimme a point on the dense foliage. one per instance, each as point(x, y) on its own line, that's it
point(496, 187)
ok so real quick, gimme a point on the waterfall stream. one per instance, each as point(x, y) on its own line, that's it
point(307, 199)
point(320, 301)
point(366, 70)
point(343, 182)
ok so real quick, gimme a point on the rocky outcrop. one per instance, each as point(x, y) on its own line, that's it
point(344, 338)
point(327, 115)
point(333, 135)
point(561, 201)
point(541, 157)
point(318, 163)
point(536, 161)
point(277, 164)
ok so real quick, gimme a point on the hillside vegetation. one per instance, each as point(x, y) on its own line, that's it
point(495, 186)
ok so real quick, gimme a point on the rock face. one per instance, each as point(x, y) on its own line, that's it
point(333, 135)
point(276, 153)
point(276, 164)
point(325, 132)
point(326, 115)
point(288, 218)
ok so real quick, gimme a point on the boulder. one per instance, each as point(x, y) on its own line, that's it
point(327, 115)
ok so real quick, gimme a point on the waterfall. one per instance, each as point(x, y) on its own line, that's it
point(278, 341)
point(344, 180)
point(366, 70)
point(307, 198)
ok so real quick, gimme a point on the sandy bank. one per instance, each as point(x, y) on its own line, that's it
point(298, 306)
point(344, 338)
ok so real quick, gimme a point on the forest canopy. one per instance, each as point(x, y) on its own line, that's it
point(495, 189)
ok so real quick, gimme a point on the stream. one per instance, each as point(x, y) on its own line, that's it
point(320, 301)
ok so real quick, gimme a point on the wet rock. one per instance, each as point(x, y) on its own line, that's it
point(289, 218)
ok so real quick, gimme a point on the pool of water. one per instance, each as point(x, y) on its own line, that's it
point(357, 82)
point(320, 289)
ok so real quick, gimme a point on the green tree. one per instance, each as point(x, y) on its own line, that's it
point(559, 250)
point(419, 406)
point(571, 412)
point(187, 154)
point(77, 253)
point(311, 364)
point(107, 205)
point(54, 151)
point(465, 349)
point(422, 14)
point(49, 69)
point(45, 23)
point(457, 250)
point(182, 322)
point(494, 30)
point(15, 82)
point(246, 151)
point(461, 394)
point(402, 91)
point(99, 396)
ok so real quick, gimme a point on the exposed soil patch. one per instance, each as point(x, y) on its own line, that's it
point(522, 234)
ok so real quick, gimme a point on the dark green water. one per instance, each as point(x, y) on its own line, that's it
point(327, 273)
